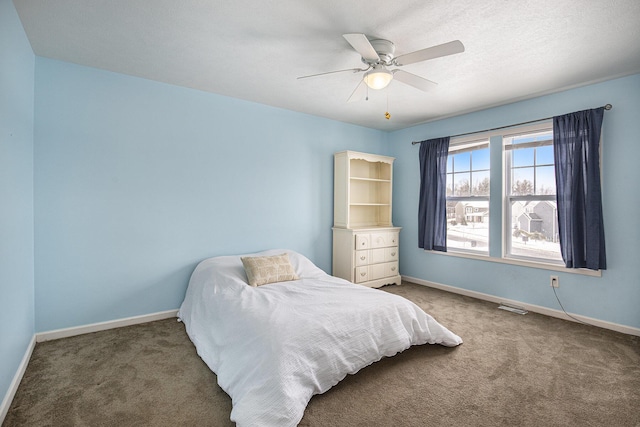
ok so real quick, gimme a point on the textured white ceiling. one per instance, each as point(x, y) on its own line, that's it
point(254, 50)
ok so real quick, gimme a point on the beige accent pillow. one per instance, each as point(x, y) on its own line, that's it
point(262, 270)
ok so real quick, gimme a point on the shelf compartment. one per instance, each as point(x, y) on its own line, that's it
point(364, 169)
point(369, 215)
point(370, 191)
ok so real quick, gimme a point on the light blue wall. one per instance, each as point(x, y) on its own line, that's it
point(16, 194)
point(136, 181)
point(614, 297)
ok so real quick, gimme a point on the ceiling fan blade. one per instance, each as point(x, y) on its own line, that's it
point(359, 94)
point(445, 49)
point(353, 70)
point(362, 45)
point(413, 80)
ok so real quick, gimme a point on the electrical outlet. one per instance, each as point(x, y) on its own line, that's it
point(554, 282)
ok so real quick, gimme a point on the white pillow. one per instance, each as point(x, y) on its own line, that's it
point(262, 270)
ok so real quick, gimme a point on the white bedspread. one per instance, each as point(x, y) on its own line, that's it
point(275, 346)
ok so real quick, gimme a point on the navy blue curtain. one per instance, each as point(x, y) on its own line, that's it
point(576, 146)
point(432, 206)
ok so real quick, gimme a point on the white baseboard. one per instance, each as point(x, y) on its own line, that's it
point(530, 307)
point(13, 387)
point(103, 326)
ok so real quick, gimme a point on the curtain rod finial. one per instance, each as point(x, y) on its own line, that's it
point(608, 107)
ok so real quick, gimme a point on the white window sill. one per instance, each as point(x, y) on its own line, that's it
point(522, 263)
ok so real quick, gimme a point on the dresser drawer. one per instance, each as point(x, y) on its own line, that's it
point(377, 255)
point(378, 271)
point(362, 274)
point(363, 241)
point(363, 258)
point(380, 240)
point(383, 240)
point(391, 254)
point(376, 240)
point(391, 269)
point(386, 269)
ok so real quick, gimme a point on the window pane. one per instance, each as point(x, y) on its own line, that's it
point(480, 159)
point(534, 230)
point(462, 186)
point(462, 162)
point(545, 180)
point(544, 155)
point(468, 226)
point(523, 157)
point(480, 183)
point(467, 218)
point(522, 182)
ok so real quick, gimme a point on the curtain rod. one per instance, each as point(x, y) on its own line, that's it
point(606, 107)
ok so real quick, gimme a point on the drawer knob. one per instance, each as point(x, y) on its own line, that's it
point(393, 269)
point(393, 254)
point(362, 243)
point(363, 257)
point(363, 274)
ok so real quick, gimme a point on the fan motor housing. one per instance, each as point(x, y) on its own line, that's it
point(385, 50)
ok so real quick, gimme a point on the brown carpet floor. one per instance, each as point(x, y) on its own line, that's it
point(512, 370)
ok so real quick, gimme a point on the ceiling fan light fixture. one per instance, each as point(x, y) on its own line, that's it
point(378, 78)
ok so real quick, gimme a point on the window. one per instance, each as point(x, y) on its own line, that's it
point(468, 185)
point(519, 224)
point(528, 208)
point(531, 219)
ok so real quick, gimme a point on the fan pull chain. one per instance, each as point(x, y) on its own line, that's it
point(386, 114)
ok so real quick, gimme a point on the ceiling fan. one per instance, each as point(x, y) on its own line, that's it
point(377, 54)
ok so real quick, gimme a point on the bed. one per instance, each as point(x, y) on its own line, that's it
point(274, 346)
